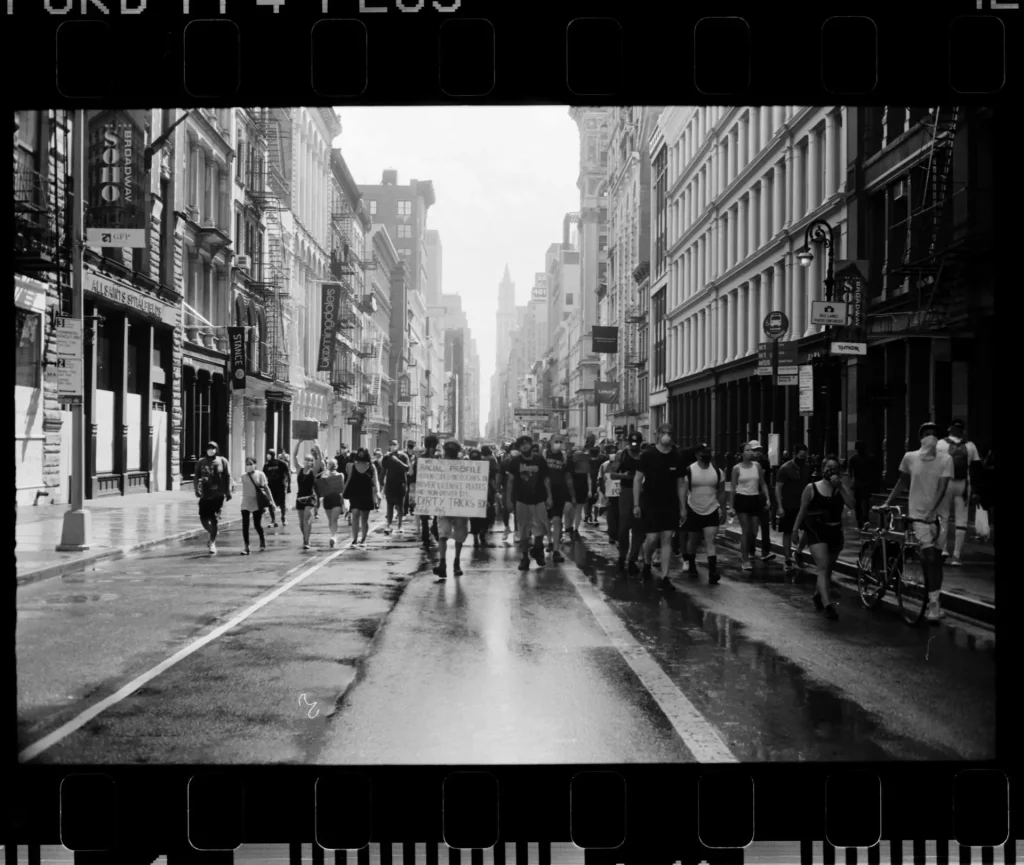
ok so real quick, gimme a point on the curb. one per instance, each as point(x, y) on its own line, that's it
point(59, 569)
point(980, 611)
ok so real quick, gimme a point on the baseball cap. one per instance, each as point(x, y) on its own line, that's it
point(928, 426)
point(703, 447)
point(756, 445)
point(635, 438)
point(956, 422)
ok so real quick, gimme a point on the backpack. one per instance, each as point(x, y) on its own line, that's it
point(958, 451)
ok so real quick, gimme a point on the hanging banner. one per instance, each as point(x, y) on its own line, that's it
point(329, 310)
point(404, 389)
point(852, 276)
point(115, 201)
point(606, 340)
point(236, 344)
point(806, 375)
point(606, 391)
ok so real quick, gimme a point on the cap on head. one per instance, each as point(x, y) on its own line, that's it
point(927, 428)
point(756, 445)
point(635, 438)
point(956, 424)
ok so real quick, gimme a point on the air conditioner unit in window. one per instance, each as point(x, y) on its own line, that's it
point(243, 262)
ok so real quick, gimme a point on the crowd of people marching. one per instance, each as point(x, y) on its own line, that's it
point(657, 500)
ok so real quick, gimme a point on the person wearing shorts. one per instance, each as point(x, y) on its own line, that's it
point(748, 492)
point(451, 528)
point(528, 493)
point(704, 489)
point(927, 473)
point(561, 480)
point(658, 491)
point(792, 479)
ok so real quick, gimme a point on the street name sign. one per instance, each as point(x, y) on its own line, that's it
point(825, 312)
point(850, 348)
point(789, 369)
point(531, 413)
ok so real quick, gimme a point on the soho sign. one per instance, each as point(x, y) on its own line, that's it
point(116, 170)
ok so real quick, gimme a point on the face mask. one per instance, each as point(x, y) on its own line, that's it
point(211, 452)
point(800, 459)
point(666, 441)
point(556, 446)
point(928, 443)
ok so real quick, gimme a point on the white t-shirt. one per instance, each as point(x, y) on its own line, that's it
point(942, 447)
point(703, 493)
point(925, 477)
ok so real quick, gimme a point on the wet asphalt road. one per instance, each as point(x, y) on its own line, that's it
point(362, 657)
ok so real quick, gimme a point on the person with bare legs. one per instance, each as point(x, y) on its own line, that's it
point(659, 496)
point(451, 528)
point(306, 498)
point(363, 492)
point(332, 502)
point(704, 490)
point(792, 479)
point(748, 487)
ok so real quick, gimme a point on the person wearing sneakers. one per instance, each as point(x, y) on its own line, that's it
point(213, 487)
point(333, 502)
point(561, 482)
point(256, 498)
point(279, 478)
point(631, 536)
point(748, 489)
point(821, 513)
point(529, 494)
point(966, 465)
point(790, 482)
point(658, 491)
point(761, 458)
point(927, 474)
point(704, 489)
point(428, 525)
point(451, 528)
point(581, 488)
point(363, 491)
point(306, 498)
point(395, 468)
point(611, 490)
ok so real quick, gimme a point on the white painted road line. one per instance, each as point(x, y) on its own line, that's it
point(693, 728)
point(80, 720)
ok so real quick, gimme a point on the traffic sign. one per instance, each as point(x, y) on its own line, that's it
point(787, 380)
point(789, 354)
point(850, 348)
point(826, 312)
point(775, 324)
point(789, 369)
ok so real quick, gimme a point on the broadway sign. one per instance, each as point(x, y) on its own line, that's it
point(330, 309)
point(606, 340)
point(236, 341)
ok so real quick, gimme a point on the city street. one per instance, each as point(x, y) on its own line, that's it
point(353, 656)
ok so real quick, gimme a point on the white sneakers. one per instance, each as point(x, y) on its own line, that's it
point(934, 612)
point(212, 547)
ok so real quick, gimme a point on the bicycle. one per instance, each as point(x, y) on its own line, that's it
point(892, 559)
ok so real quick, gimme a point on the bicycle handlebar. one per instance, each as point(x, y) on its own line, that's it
point(889, 509)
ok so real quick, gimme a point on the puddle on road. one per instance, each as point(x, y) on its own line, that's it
point(766, 705)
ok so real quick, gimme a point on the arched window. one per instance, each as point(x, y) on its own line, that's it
point(253, 340)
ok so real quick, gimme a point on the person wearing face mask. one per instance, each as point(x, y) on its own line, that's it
point(821, 513)
point(581, 488)
point(704, 488)
point(631, 537)
point(748, 491)
point(410, 454)
point(529, 492)
point(966, 464)
point(511, 452)
point(395, 469)
point(428, 525)
point(561, 481)
point(213, 487)
point(256, 497)
point(658, 488)
point(927, 473)
point(610, 490)
point(279, 479)
point(790, 482)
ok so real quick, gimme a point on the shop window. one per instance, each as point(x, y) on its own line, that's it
point(27, 338)
point(137, 338)
point(106, 367)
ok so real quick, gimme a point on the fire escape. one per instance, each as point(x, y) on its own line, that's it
point(934, 262)
point(270, 199)
point(40, 240)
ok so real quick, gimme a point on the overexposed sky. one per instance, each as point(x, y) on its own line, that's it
point(504, 178)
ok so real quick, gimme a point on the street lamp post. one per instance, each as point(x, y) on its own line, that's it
point(821, 232)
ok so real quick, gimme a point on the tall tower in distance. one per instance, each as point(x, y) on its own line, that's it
point(506, 319)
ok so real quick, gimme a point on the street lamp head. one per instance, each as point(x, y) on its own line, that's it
point(805, 256)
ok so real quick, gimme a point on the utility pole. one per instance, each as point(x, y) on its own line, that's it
point(77, 530)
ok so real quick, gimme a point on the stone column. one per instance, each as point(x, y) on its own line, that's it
point(766, 129)
point(779, 285)
point(713, 333)
point(193, 181)
point(742, 329)
point(778, 197)
point(813, 170)
point(721, 317)
point(753, 322)
point(765, 297)
point(688, 348)
point(800, 205)
point(752, 225)
point(731, 325)
point(841, 130)
point(722, 158)
point(755, 133)
point(790, 192)
point(699, 318)
point(814, 290)
point(831, 155)
point(741, 230)
point(778, 117)
point(794, 295)
point(722, 245)
point(742, 139)
point(702, 245)
point(766, 196)
point(734, 152)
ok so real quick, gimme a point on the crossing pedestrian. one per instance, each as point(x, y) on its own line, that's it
point(631, 536)
point(409, 505)
point(864, 474)
point(363, 492)
point(610, 491)
point(658, 493)
point(927, 474)
point(790, 482)
point(395, 468)
point(767, 505)
point(427, 526)
point(748, 489)
point(966, 465)
point(333, 502)
point(529, 493)
point(561, 480)
point(451, 528)
point(581, 489)
point(256, 498)
point(821, 515)
point(279, 478)
point(704, 491)
point(306, 499)
point(493, 488)
point(213, 484)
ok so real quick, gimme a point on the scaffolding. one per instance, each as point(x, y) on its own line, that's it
point(270, 199)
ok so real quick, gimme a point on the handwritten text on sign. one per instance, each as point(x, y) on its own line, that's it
point(452, 488)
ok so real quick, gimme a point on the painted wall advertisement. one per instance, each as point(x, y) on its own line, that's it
point(115, 206)
point(452, 488)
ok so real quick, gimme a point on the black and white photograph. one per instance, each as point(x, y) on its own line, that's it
point(504, 435)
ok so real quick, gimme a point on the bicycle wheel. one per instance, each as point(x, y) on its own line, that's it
point(911, 586)
point(871, 581)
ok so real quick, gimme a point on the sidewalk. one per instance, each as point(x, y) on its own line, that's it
point(120, 525)
point(968, 590)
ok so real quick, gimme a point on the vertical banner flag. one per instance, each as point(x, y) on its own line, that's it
point(806, 389)
point(605, 340)
point(115, 206)
point(404, 389)
point(852, 276)
point(329, 310)
point(606, 391)
point(236, 341)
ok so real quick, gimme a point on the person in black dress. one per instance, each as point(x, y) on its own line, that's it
point(363, 492)
point(306, 498)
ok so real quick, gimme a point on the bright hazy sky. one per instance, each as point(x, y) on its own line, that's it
point(504, 177)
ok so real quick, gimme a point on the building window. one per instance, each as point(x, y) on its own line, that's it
point(568, 299)
point(373, 208)
point(405, 208)
point(26, 337)
point(405, 231)
point(238, 234)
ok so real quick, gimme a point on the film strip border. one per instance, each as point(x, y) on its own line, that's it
point(545, 853)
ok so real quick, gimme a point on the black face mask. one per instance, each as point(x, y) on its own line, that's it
point(801, 460)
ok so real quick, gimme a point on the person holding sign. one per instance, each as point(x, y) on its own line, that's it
point(529, 494)
point(451, 528)
point(430, 452)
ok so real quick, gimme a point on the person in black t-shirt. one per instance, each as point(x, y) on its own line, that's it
point(279, 479)
point(658, 491)
point(631, 535)
point(395, 468)
point(561, 480)
point(529, 493)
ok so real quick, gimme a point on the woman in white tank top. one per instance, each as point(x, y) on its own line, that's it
point(748, 487)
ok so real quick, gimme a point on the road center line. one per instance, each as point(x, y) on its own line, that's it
point(693, 728)
point(80, 720)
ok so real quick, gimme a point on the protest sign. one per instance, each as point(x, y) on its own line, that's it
point(452, 488)
point(612, 489)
